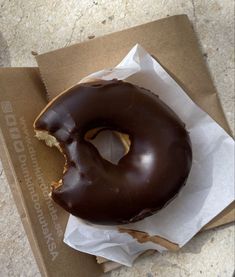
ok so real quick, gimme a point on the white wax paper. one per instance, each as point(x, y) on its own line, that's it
point(210, 186)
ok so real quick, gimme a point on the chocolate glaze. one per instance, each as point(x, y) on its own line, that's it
point(153, 171)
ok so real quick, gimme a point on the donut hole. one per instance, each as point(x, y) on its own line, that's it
point(111, 145)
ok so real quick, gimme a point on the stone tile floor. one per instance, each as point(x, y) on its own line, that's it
point(41, 26)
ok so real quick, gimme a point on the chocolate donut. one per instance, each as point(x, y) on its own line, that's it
point(144, 180)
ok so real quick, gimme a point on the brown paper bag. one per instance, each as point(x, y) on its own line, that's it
point(171, 41)
point(30, 165)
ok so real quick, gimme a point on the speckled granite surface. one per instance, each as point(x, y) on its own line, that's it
point(44, 25)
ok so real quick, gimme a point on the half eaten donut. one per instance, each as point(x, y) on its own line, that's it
point(144, 180)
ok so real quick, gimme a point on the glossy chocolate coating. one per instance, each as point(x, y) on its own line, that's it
point(145, 179)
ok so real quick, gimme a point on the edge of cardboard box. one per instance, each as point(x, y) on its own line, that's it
point(18, 199)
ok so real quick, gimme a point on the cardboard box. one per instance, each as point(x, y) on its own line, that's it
point(30, 165)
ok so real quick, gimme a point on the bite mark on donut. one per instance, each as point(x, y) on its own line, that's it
point(51, 141)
